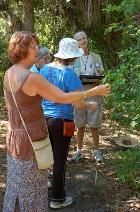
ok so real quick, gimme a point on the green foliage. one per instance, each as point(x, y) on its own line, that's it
point(128, 167)
point(54, 29)
point(3, 46)
point(1, 83)
point(125, 78)
point(51, 25)
point(129, 7)
point(3, 54)
point(125, 86)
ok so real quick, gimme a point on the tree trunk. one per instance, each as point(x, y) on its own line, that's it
point(28, 15)
point(23, 19)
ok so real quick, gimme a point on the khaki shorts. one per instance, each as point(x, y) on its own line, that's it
point(91, 118)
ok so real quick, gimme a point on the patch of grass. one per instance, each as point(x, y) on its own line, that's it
point(128, 167)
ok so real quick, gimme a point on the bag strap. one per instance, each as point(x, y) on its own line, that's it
point(19, 110)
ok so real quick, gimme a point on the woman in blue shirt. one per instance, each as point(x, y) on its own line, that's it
point(59, 74)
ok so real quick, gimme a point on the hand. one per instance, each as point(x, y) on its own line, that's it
point(102, 90)
point(91, 105)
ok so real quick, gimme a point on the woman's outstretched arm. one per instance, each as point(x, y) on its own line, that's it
point(36, 84)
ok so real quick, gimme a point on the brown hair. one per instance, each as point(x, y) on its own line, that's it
point(19, 44)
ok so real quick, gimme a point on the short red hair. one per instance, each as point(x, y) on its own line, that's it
point(19, 44)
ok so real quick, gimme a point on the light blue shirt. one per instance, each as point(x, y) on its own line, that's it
point(35, 69)
point(67, 80)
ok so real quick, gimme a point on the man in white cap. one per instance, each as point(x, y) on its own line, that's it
point(90, 69)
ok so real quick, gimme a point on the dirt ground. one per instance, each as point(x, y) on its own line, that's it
point(94, 187)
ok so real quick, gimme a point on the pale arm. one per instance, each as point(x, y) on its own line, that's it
point(36, 84)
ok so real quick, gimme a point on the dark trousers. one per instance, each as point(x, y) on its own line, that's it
point(60, 147)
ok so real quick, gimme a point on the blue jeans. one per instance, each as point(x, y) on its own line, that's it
point(60, 147)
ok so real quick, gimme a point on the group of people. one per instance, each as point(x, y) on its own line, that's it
point(33, 81)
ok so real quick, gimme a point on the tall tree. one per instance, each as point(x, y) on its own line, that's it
point(19, 14)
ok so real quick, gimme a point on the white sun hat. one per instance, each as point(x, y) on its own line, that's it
point(69, 48)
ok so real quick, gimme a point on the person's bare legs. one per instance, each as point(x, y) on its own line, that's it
point(80, 136)
point(97, 152)
point(95, 136)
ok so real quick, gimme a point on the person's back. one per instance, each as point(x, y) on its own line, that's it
point(65, 79)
